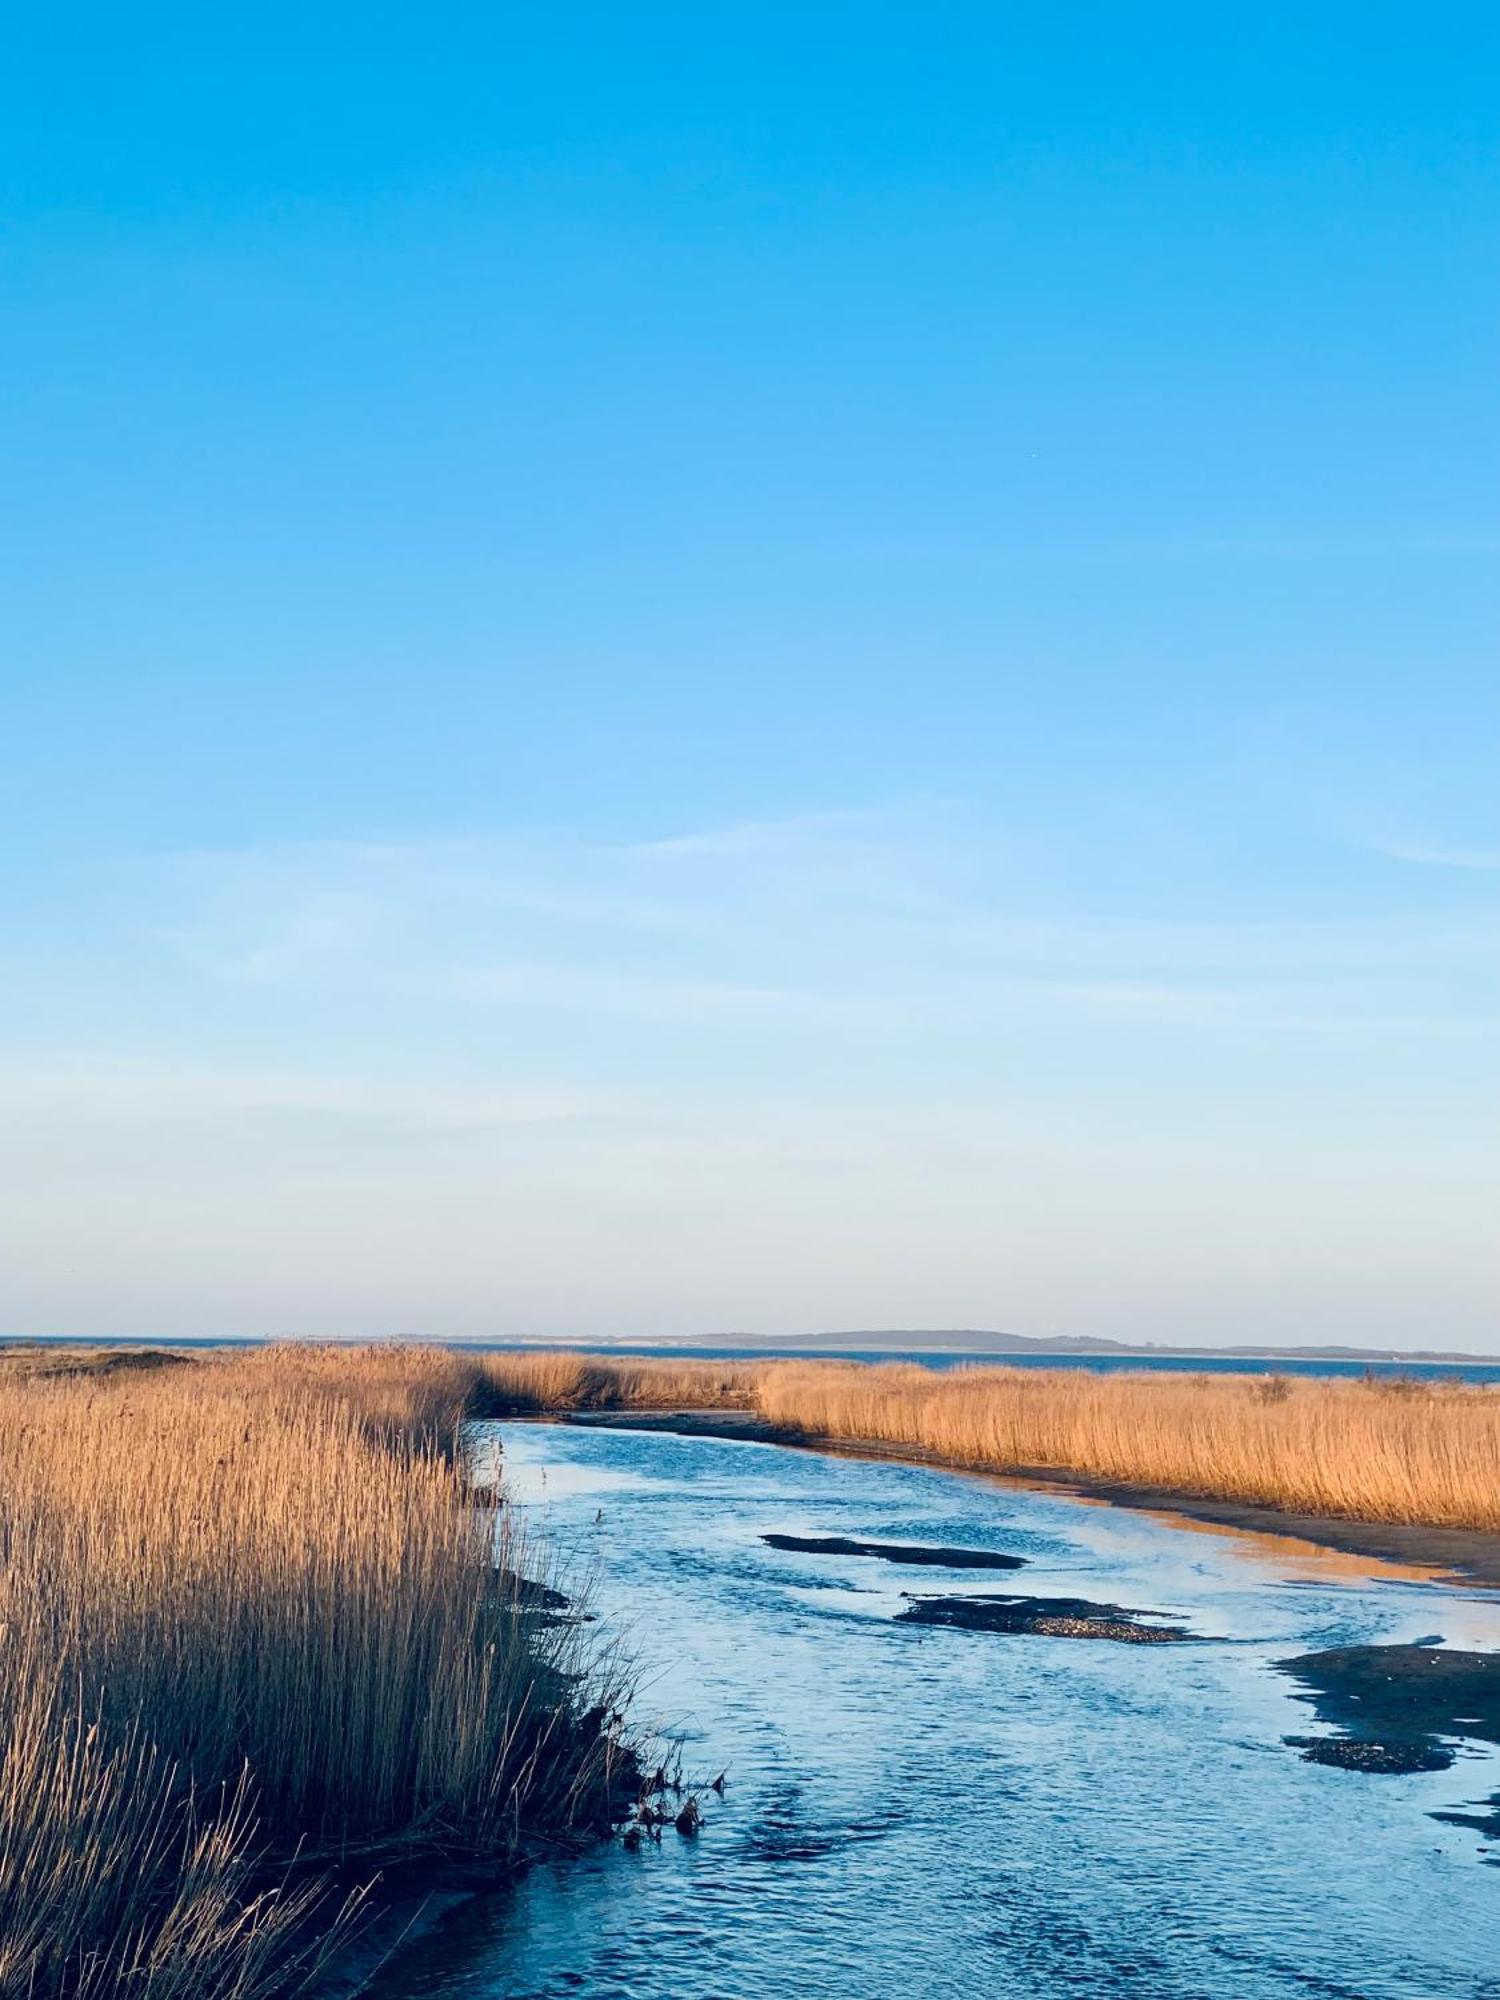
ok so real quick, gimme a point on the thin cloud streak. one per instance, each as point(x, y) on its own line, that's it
point(125, 1091)
point(1426, 854)
point(859, 918)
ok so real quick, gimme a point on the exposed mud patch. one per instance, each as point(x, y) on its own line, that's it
point(896, 1552)
point(1392, 1705)
point(1402, 1693)
point(1484, 1817)
point(1050, 1617)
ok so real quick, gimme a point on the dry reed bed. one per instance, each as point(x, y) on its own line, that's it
point(535, 1382)
point(248, 1614)
point(1372, 1450)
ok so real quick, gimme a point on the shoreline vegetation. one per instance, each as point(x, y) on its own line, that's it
point(258, 1646)
point(267, 1650)
point(1390, 1452)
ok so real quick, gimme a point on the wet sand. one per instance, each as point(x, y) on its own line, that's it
point(1466, 1555)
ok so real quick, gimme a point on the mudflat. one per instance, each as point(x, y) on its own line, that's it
point(920, 1554)
point(1047, 1617)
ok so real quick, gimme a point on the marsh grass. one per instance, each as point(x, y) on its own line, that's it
point(252, 1630)
point(530, 1383)
point(1426, 1453)
point(1386, 1449)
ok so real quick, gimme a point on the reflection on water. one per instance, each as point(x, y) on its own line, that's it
point(916, 1811)
point(1292, 1555)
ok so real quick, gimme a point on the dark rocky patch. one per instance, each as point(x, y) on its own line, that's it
point(895, 1552)
point(1358, 1753)
point(1050, 1617)
point(744, 1426)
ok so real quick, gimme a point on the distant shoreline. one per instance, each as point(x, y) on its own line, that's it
point(887, 1346)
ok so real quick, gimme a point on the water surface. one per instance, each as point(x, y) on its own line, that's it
point(916, 1812)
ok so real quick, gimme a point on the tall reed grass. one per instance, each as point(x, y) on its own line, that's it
point(528, 1383)
point(1374, 1449)
point(252, 1629)
point(1420, 1453)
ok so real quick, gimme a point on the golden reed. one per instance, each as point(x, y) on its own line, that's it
point(251, 1628)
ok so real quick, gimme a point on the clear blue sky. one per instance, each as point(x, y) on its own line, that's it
point(676, 668)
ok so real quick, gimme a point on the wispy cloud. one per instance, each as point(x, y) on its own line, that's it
point(886, 922)
point(104, 1087)
point(605, 990)
point(1434, 854)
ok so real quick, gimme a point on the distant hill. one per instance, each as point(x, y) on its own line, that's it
point(978, 1340)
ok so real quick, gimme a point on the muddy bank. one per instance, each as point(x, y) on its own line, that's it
point(1460, 1554)
point(918, 1554)
point(529, 1594)
point(404, 1895)
point(1048, 1617)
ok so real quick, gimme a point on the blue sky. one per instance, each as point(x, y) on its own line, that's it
point(671, 670)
